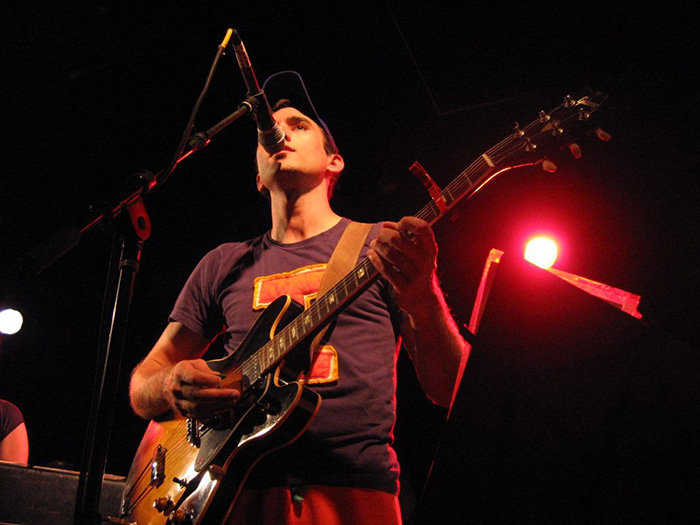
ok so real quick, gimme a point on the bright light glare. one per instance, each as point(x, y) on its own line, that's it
point(541, 251)
point(10, 321)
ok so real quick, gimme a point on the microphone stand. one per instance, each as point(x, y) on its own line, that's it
point(129, 233)
point(128, 236)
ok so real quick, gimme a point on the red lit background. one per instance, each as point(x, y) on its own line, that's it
point(95, 92)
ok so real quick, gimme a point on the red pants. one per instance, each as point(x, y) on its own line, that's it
point(316, 505)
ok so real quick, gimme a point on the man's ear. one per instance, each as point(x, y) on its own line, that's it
point(258, 182)
point(336, 163)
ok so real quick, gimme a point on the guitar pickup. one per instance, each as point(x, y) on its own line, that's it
point(194, 437)
point(158, 466)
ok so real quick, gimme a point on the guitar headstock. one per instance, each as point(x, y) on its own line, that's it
point(557, 127)
point(553, 127)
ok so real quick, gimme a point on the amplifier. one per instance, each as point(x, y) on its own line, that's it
point(40, 495)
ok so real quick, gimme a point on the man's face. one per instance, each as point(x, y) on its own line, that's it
point(303, 163)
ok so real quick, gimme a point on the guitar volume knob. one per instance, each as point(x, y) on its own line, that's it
point(181, 517)
point(164, 505)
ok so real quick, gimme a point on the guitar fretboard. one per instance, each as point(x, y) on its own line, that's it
point(310, 321)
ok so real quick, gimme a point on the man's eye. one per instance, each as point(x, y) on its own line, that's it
point(301, 126)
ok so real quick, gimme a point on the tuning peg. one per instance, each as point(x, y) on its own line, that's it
point(575, 150)
point(602, 134)
point(557, 129)
point(549, 166)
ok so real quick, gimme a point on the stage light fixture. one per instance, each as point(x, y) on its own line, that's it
point(11, 321)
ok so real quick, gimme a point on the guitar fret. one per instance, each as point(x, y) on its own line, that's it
point(259, 364)
point(330, 298)
point(434, 212)
point(270, 356)
point(346, 291)
point(340, 292)
point(261, 361)
point(251, 371)
point(447, 196)
point(281, 347)
point(322, 306)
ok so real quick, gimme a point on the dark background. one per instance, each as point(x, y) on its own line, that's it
point(94, 92)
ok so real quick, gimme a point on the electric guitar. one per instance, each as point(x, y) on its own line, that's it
point(187, 471)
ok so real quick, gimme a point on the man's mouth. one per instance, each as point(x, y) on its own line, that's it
point(283, 153)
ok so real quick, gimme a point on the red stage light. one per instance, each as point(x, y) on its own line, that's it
point(541, 251)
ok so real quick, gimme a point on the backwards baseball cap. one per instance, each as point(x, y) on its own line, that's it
point(288, 85)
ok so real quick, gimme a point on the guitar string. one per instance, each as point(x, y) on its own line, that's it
point(137, 501)
point(176, 451)
point(173, 445)
point(249, 366)
point(499, 152)
point(496, 154)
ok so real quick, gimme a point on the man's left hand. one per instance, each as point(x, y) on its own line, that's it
point(405, 253)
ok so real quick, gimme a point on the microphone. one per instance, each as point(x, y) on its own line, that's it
point(270, 135)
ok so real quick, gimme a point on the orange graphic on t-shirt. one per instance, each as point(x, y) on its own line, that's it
point(302, 285)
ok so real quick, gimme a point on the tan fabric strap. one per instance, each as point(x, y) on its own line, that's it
point(341, 262)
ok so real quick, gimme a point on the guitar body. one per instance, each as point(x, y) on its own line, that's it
point(186, 475)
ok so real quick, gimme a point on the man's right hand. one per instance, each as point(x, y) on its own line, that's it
point(196, 390)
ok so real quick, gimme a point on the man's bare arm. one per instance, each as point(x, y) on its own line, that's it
point(405, 253)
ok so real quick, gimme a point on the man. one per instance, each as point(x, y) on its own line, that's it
point(343, 468)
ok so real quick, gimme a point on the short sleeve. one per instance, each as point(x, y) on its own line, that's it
point(10, 418)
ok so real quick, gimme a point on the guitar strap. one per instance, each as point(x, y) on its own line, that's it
point(342, 260)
